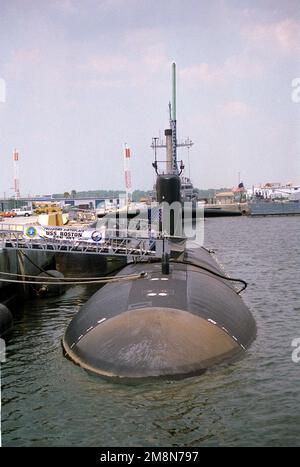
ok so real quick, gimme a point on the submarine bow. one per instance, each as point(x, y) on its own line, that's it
point(163, 325)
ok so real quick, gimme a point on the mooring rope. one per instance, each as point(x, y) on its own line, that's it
point(104, 280)
point(66, 279)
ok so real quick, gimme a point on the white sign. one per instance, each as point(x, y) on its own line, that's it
point(35, 232)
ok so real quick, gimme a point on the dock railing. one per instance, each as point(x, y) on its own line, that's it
point(13, 237)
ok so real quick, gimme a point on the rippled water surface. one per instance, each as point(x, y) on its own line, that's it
point(48, 401)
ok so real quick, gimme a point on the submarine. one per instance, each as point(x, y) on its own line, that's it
point(181, 316)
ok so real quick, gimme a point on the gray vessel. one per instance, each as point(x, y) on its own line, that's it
point(274, 208)
point(182, 316)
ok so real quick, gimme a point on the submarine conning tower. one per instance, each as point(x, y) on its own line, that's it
point(175, 321)
point(168, 188)
point(168, 182)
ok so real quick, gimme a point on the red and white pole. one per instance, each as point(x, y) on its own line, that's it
point(16, 174)
point(127, 173)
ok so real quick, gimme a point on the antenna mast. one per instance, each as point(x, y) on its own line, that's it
point(171, 143)
point(173, 122)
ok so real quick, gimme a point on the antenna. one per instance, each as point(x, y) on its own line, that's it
point(171, 143)
point(173, 122)
point(16, 174)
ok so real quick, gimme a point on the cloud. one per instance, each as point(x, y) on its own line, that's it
point(283, 35)
point(236, 109)
point(154, 57)
point(142, 60)
point(147, 44)
point(202, 73)
point(107, 64)
point(30, 56)
point(104, 83)
point(23, 59)
point(116, 4)
point(67, 7)
point(221, 115)
point(237, 66)
point(243, 66)
point(261, 39)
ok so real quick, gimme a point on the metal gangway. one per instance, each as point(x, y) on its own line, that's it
point(12, 237)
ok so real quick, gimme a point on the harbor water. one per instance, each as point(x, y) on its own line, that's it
point(49, 401)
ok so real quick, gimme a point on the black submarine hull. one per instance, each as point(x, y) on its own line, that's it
point(208, 212)
point(6, 320)
point(163, 325)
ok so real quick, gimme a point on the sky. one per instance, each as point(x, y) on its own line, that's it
point(78, 79)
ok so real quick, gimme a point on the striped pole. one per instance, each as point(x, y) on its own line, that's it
point(16, 174)
point(127, 173)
